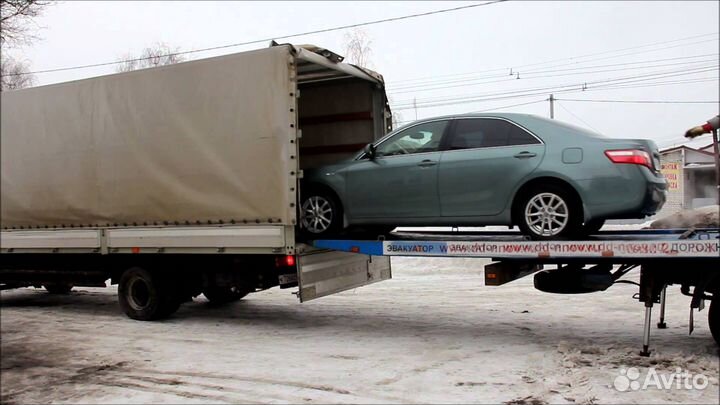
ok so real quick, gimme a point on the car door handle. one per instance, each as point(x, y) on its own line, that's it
point(524, 155)
point(427, 163)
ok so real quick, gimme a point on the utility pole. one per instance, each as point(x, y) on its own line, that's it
point(552, 107)
point(415, 105)
point(717, 163)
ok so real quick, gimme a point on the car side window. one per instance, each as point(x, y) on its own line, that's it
point(488, 133)
point(417, 139)
point(519, 136)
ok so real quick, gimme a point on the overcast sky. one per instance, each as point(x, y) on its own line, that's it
point(452, 59)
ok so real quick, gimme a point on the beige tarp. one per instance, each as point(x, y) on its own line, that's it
point(207, 140)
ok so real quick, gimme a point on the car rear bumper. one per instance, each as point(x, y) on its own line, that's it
point(655, 198)
point(643, 193)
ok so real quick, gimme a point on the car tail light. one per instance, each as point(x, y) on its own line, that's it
point(631, 156)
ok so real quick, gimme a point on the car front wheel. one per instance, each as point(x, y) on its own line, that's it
point(321, 214)
point(548, 213)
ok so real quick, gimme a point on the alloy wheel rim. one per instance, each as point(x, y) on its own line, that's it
point(317, 214)
point(547, 214)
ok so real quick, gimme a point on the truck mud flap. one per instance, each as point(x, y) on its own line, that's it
point(325, 273)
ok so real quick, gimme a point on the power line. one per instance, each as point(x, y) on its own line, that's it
point(421, 88)
point(573, 114)
point(636, 63)
point(577, 57)
point(620, 80)
point(447, 10)
point(476, 100)
point(521, 94)
point(576, 90)
point(532, 72)
point(662, 83)
point(493, 109)
point(630, 48)
point(581, 85)
point(524, 73)
point(603, 88)
point(510, 106)
point(640, 101)
point(639, 52)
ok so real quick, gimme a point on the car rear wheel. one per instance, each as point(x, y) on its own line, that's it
point(321, 214)
point(548, 212)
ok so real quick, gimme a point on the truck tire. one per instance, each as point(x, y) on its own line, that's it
point(548, 212)
point(147, 296)
point(58, 288)
point(714, 318)
point(224, 295)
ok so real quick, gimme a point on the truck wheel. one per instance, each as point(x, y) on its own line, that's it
point(58, 288)
point(224, 295)
point(714, 318)
point(321, 214)
point(146, 296)
point(548, 212)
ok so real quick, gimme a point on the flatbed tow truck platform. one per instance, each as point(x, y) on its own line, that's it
point(688, 257)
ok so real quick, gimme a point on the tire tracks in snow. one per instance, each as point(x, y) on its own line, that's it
point(217, 387)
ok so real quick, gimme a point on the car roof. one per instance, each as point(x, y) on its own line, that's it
point(538, 125)
point(507, 115)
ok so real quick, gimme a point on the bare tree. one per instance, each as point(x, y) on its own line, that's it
point(397, 118)
point(358, 51)
point(159, 54)
point(357, 48)
point(14, 74)
point(14, 18)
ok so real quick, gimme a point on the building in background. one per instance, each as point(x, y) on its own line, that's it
point(690, 173)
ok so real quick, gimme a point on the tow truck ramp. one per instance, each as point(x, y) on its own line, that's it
point(504, 245)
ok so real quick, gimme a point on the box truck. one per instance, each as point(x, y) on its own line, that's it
point(183, 179)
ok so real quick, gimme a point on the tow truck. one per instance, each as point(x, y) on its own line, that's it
point(687, 257)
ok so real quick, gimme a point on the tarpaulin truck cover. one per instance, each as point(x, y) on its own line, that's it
point(197, 142)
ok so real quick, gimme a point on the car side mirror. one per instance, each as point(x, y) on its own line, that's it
point(370, 151)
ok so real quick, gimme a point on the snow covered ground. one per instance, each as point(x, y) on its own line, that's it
point(432, 334)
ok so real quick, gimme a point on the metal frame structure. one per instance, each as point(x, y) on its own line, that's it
point(658, 254)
